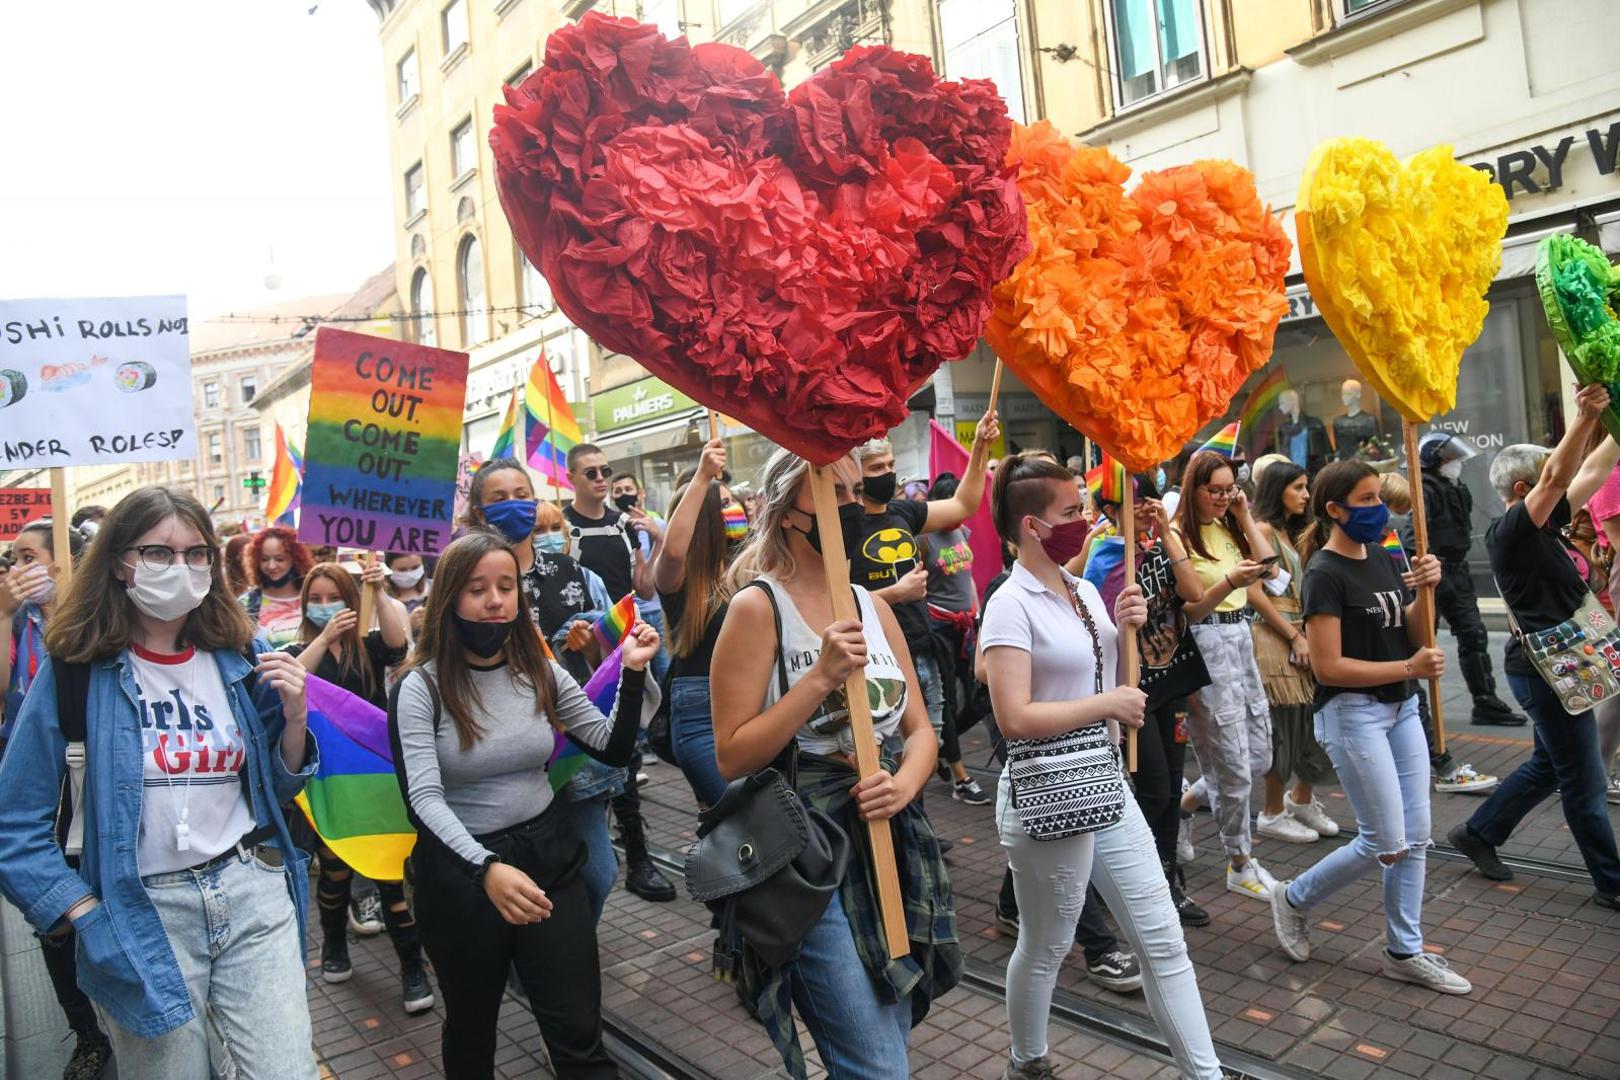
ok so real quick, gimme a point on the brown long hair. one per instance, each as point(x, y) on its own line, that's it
point(1200, 467)
point(1333, 484)
point(297, 553)
point(96, 619)
point(526, 660)
point(354, 649)
point(707, 589)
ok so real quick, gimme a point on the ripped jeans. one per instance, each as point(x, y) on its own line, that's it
point(1049, 877)
point(1382, 759)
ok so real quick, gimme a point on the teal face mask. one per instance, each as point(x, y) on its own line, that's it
point(550, 543)
point(321, 614)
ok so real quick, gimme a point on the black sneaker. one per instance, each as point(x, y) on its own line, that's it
point(1189, 911)
point(335, 966)
point(90, 1057)
point(644, 880)
point(1482, 854)
point(418, 992)
point(1116, 971)
point(1606, 900)
point(1490, 710)
point(1007, 920)
point(968, 791)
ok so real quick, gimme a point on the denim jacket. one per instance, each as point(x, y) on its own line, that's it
point(125, 962)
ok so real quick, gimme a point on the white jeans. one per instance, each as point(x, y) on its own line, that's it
point(1607, 715)
point(1049, 877)
point(1230, 728)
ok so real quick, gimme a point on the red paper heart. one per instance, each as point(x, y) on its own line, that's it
point(800, 262)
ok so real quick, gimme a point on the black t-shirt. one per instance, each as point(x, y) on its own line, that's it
point(378, 655)
point(1369, 599)
point(556, 591)
point(1172, 666)
point(888, 550)
point(1539, 581)
point(604, 545)
point(697, 665)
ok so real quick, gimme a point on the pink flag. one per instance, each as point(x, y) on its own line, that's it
point(945, 454)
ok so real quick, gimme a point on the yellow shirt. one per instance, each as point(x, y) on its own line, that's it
point(1225, 556)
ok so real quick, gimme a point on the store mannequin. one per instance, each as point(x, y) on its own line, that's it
point(1354, 427)
point(1301, 438)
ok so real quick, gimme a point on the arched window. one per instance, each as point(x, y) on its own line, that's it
point(470, 276)
point(422, 327)
point(536, 294)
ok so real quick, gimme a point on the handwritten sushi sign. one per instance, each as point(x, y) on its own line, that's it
point(95, 381)
point(383, 447)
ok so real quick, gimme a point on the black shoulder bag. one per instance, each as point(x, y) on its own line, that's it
point(765, 863)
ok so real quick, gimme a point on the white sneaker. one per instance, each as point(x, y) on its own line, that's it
point(1614, 787)
point(1464, 780)
point(1427, 970)
point(1283, 827)
point(1252, 880)
point(1312, 815)
point(1293, 931)
point(1185, 852)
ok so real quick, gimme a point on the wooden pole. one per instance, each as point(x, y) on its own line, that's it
point(1127, 528)
point(368, 596)
point(891, 906)
point(61, 512)
point(1420, 529)
point(995, 388)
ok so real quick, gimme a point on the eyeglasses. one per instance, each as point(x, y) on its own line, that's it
point(1222, 492)
point(598, 472)
point(162, 556)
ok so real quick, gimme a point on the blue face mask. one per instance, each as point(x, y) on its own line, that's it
point(512, 518)
point(321, 614)
point(1366, 524)
point(550, 543)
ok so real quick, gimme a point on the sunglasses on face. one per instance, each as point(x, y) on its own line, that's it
point(598, 472)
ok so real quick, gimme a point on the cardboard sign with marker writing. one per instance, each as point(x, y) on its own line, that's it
point(19, 506)
point(95, 381)
point(384, 444)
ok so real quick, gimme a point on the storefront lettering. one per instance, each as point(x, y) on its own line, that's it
point(1482, 440)
point(650, 405)
point(1300, 306)
point(1540, 169)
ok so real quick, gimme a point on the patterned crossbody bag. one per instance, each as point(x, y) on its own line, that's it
point(1069, 784)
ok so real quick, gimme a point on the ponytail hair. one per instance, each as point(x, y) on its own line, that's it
point(1332, 485)
point(1012, 496)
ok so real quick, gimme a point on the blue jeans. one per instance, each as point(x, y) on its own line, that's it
point(235, 936)
point(601, 861)
point(692, 732)
point(860, 1036)
point(933, 691)
point(1382, 758)
point(1565, 759)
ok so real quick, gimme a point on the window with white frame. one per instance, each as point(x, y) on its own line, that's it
point(453, 21)
point(410, 80)
point(252, 444)
point(216, 448)
point(249, 385)
point(1356, 7)
point(535, 295)
point(517, 77)
point(423, 326)
point(470, 276)
point(1158, 45)
point(463, 152)
point(981, 42)
point(219, 494)
point(211, 395)
point(415, 191)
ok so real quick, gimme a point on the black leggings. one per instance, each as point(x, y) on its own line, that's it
point(1159, 762)
point(332, 894)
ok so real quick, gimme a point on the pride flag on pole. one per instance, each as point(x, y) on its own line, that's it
point(552, 429)
point(353, 800)
point(616, 623)
point(1107, 482)
point(506, 436)
point(284, 494)
point(1223, 442)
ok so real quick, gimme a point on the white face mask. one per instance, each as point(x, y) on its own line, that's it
point(1451, 470)
point(407, 579)
point(169, 593)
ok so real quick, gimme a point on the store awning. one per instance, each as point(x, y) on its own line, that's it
point(689, 428)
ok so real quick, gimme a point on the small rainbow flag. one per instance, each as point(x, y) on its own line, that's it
point(1107, 481)
point(616, 623)
point(552, 429)
point(283, 496)
point(1260, 414)
point(736, 519)
point(1223, 442)
point(353, 800)
point(1392, 544)
point(506, 435)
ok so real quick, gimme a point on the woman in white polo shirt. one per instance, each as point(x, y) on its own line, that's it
point(1053, 665)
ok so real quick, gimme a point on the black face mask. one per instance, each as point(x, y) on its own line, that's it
point(879, 488)
point(275, 583)
point(624, 502)
point(483, 639)
point(850, 516)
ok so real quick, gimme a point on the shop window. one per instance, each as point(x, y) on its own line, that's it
point(415, 191)
point(1157, 46)
point(408, 78)
point(463, 152)
point(981, 42)
point(470, 277)
point(453, 23)
point(423, 326)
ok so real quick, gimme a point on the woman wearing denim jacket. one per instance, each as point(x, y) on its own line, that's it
point(189, 753)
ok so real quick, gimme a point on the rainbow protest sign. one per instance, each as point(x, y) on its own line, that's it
point(384, 444)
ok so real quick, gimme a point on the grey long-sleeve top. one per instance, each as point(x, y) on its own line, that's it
point(500, 781)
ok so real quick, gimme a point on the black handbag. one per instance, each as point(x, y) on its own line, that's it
point(765, 863)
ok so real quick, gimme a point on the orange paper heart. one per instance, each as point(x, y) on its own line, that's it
point(1137, 317)
point(1398, 259)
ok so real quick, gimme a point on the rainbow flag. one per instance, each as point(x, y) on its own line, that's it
point(1259, 417)
point(1107, 482)
point(736, 519)
point(602, 687)
point(506, 435)
point(552, 429)
point(283, 496)
point(1107, 553)
point(615, 623)
point(1392, 544)
point(1223, 442)
point(353, 800)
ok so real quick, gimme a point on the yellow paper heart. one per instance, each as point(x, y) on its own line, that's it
point(1398, 259)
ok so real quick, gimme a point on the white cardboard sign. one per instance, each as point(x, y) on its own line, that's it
point(94, 381)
